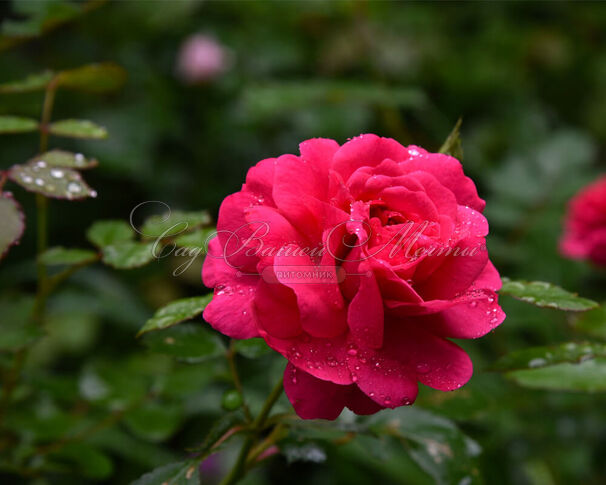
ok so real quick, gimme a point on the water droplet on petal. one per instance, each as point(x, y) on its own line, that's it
point(39, 182)
point(56, 173)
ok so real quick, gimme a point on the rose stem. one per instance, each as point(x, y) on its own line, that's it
point(239, 468)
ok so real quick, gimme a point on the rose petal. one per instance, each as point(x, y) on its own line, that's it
point(276, 312)
point(439, 363)
point(383, 377)
point(466, 320)
point(360, 403)
point(230, 311)
point(366, 150)
point(365, 313)
point(322, 358)
point(234, 231)
point(260, 179)
point(320, 303)
point(449, 172)
point(459, 269)
point(319, 152)
point(313, 398)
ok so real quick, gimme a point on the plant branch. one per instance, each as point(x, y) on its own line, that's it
point(231, 361)
point(42, 208)
point(239, 468)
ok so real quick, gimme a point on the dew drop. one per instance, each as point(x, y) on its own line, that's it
point(538, 362)
point(39, 182)
point(27, 179)
point(423, 368)
point(473, 304)
point(56, 173)
point(74, 188)
point(41, 164)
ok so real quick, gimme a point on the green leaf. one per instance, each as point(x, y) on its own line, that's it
point(128, 254)
point(13, 222)
point(108, 232)
point(121, 443)
point(189, 341)
point(94, 78)
point(172, 223)
point(588, 376)
point(181, 473)
point(434, 443)
point(228, 421)
point(252, 348)
point(34, 82)
point(55, 182)
point(269, 99)
point(452, 144)
point(197, 239)
point(17, 124)
point(35, 18)
point(546, 295)
point(88, 460)
point(154, 422)
point(176, 312)
point(592, 322)
point(77, 129)
point(112, 383)
point(62, 158)
point(63, 256)
point(555, 354)
point(17, 329)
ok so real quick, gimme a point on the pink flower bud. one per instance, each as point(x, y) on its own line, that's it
point(201, 58)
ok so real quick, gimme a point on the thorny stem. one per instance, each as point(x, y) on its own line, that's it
point(239, 468)
point(231, 361)
point(42, 208)
point(11, 379)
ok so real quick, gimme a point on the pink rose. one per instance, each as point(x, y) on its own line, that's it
point(357, 263)
point(201, 59)
point(585, 226)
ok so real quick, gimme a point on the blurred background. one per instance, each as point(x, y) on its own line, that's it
point(214, 87)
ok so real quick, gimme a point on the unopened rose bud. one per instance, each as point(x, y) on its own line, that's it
point(201, 58)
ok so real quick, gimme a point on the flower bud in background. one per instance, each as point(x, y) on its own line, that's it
point(585, 225)
point(201, 58)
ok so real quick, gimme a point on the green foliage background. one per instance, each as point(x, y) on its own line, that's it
point(97, 405)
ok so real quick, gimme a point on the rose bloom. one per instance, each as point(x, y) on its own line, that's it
point(201, 58)
point(396, 235)
point(585, 225)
